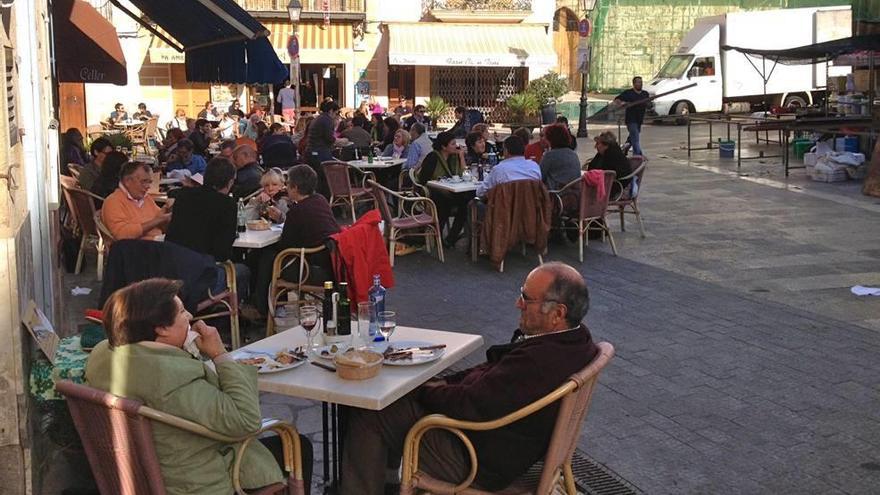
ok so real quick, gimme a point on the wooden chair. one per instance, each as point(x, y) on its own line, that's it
point(105, 239)
point(341, 190)
point(590, 214)
point(117, 436)
point(279, 287)
point(418, 218)
point(629, 196)
point(228, 299)
point(575, 395)
point(142, 136)
point(81, 204)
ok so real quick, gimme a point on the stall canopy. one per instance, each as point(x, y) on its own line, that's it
point(87, 48)
point(815, 53)
point(220, 40)
point(469, 45)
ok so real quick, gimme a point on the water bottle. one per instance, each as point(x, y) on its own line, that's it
point(376, 295)
point(357, 155)
point(242, 217)
point(370, 155)
point(493, 159)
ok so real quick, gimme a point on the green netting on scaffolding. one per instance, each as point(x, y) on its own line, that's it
point(635, 37)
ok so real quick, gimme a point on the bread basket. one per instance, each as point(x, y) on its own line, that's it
point(258, 225)
point(358, 364)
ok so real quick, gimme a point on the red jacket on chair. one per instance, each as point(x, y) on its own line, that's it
point(360, 254)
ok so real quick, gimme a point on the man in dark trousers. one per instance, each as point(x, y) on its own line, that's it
point(551, 345)
point(321, 140)
point(635, 114)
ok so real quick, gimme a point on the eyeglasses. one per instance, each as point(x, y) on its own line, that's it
point(527, 300)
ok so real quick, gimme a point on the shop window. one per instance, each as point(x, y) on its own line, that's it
point(703, 67)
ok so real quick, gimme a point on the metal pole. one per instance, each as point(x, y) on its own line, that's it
point(689, 135)
point(582, 116)
point(294, 73)
point(738, 146)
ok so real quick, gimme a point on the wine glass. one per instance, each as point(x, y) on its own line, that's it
point(387, 324)
point(308, 318)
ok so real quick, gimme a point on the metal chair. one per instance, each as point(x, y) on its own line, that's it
point(339, 182)
point(575, 395)
point(629, 196)
point(418, 217)
point(75, 170)
point(591, 210)
point(279, 287)
point(117, 436)
point(81, 204)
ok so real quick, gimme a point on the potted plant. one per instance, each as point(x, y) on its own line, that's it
point(119, 140)
point(521, 106)
point(548, 88)
point(436, 107)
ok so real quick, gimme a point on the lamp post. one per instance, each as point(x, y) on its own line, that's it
point(584, 62)
point(294, 12)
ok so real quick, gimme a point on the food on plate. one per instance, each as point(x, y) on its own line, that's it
point(258, 225)
point(252, 361)
point(357, 358)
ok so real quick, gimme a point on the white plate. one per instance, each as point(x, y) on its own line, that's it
point(414, 361)
point(319, 351)
point(270, 366)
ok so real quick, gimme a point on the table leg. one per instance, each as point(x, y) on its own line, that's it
point(325, 437)
point(335, 428)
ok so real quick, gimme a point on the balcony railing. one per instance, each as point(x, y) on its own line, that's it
point(309, 6)
point(104, 8)
point(478, 5)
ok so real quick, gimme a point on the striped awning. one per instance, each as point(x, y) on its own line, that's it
point(161, 53)
point(470, 45)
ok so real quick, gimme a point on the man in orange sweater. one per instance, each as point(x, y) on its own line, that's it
point(130, 213)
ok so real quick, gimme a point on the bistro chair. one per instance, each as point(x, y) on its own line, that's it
point(99, 130)
point(117, 435)
point(105, 239)
point(280, 288)
point(574, 396)
point(81, 204)
point(590, 212)
point(629, 195)
point(417, 218)
point(339, 182)
point(145, 136)
point(75, 169)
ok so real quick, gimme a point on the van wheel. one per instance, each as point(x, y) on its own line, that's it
point(681, 108)
point(795, 101)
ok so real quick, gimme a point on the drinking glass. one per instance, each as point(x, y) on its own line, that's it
point(387, 324)
point(365, 309)
point(308, 318)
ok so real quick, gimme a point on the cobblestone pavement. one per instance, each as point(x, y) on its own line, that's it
point(743, 363)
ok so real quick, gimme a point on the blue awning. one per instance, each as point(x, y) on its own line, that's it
point(221, 41)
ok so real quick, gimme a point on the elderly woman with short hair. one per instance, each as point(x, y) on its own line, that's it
point(399, 147)
point(144, 359)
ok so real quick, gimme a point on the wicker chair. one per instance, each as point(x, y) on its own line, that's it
point(81, 204)
point(418, 217)
point(105, 421)
point(629, 196)
point(142, 135)
point(574, 394)
point(339, 182)
point(279, 287)
point(590, 213)
point(75, 169)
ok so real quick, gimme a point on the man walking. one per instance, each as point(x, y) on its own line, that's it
point(287, 99)
point(635, 114)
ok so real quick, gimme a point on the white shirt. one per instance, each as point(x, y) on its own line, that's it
point(509, 170)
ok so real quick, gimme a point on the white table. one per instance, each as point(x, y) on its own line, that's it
point(456, 187)
point(392, 382)
point(377, 164)
point(257, 239)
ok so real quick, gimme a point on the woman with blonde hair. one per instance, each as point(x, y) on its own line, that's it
point(272, 200)
point(399, 147)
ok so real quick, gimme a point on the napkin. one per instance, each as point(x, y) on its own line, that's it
point(189, 345)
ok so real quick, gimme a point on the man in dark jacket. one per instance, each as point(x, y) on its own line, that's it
point(552, 345)
point(201, 137)
point(248, 171)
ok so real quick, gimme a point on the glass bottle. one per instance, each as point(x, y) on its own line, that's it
point(343, 325)
point(376, 295)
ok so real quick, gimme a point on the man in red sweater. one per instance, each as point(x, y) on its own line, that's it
point(550, 345)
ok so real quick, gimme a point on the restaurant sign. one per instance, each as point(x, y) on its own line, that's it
point(500, 60)
point(166, 56)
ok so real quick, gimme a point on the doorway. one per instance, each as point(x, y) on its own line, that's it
point(319, 82)
point(565, 43)
point(72, 110)
point(401, 84)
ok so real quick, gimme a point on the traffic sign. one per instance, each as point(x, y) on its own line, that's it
point(293, 46)
point(585, 27)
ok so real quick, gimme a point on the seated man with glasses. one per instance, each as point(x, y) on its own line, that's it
point(418, 117)
point(551, 344)
point(130, 212)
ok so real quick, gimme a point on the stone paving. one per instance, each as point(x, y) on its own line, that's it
point(743, 363)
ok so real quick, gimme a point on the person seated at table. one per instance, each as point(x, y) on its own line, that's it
point(262, 132)
point(208, 112)
point(459, 129)
point(490, 137)
point(235, 109)
point(108, 179)
point(402, 108)
point(186, 159)
point(514, 167)
point(560, 165)
point(204, 219)
point(447, 160)
point(251, 130)
point(248, 172)
point(299, 130)
point(420, 146)
point(118, 114)
point(377, 131)
point(572, 140)
point(363, 109)
point(535, 150)
point(417, 117)
point(272, 202)
point(73, 150)
point(144, 358)
point(526, 135)
point(99, 150)
point(179, 121)
point(342, 126)
point(357, 134)
point(476, 149)
point(309, 223)
point(168, 150)
point(391, 127)
point(399, 147)
point(609, 156)
point(226, 149)
point(551, 344)
point(130, 213)
point(227, 128)
point(277, 134)
point(376, 108)
point(201, 137)
point(142, 113)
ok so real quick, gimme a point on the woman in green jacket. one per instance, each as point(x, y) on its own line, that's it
point(447, 160)
point(144, 359)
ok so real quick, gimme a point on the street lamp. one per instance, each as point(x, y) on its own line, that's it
point(294, 12)
point(588, 5)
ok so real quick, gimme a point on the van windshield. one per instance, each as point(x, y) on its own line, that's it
point(675, 67)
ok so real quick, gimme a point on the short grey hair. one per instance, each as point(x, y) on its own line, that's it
point(568, 288)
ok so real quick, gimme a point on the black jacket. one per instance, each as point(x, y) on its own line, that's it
point(200, 143)
point(247, 180)
point(204, 220)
